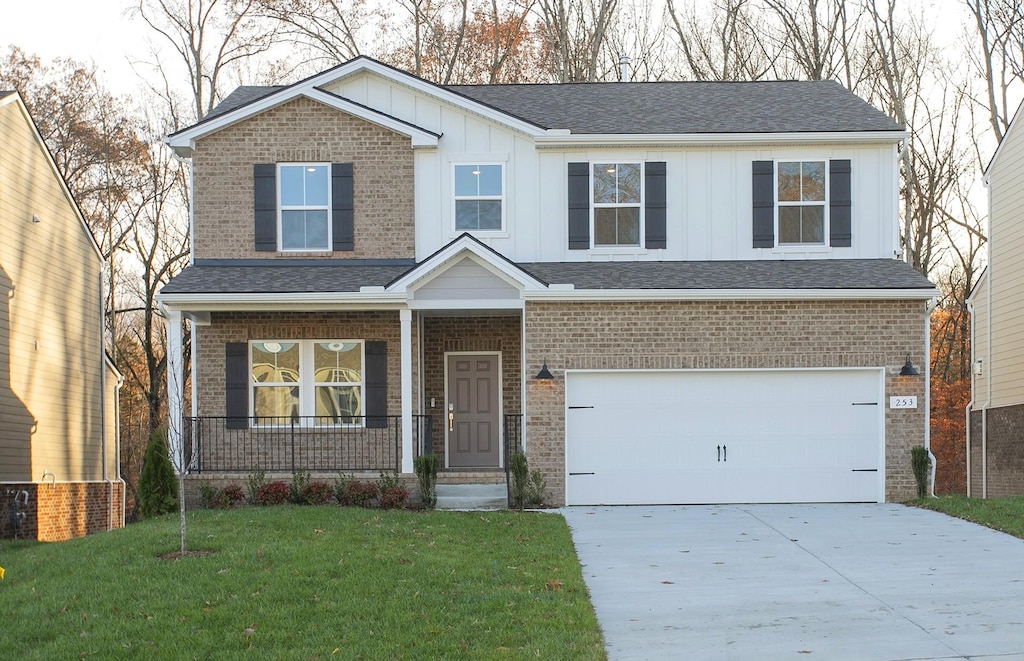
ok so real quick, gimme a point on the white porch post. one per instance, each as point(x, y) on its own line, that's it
point(405, 317)
point(175, 388)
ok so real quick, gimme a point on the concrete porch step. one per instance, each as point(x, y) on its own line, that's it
point(472, 496)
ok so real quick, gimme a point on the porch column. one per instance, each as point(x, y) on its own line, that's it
point(175, 388)
point(405, 317)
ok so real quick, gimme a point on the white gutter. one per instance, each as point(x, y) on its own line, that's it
point(928, 387)
point(292, 301)
point(970, 404)
point(555, 138)
point(727, 294)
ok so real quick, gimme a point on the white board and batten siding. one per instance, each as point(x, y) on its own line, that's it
point(709, 188)
point(724, 436)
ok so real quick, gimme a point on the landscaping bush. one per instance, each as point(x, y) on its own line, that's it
point(158, 485)
point(298, 486)
point(272, 493)
point(253, 482)
point(426, 467)
point(393, 498)
point(227, 497)
point(920, 462)
point(520, 471)
point(340, 485)
point(359, 494)
point(316, 493)
point(206, 496)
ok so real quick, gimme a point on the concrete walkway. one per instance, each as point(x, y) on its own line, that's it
point(833, 582)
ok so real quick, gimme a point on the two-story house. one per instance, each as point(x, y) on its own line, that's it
point(59, 453)
point(664, 292)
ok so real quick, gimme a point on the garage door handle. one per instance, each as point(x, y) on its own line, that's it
point(864, 470)
point(723, 453)
point(580, 474)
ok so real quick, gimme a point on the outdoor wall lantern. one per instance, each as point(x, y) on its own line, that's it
point(545, 374)
point(908, 368)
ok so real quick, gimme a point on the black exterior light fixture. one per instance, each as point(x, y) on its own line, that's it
point(908, 368)
point(545, 374)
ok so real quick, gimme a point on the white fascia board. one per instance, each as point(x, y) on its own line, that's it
point(459, 248)
point(469, 304)
point(729, 294)
point(999, 148)
point(184, 142)
point(977, 285)
point(293, 301)
point(558, 139)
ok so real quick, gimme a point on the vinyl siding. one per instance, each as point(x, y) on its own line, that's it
point(1006, 275)
point(979, 342)
point(51, 390)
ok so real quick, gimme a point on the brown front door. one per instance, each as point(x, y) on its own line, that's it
point(472, 410)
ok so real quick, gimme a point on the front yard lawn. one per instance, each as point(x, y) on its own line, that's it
point(1003, 514)
point(305, 583)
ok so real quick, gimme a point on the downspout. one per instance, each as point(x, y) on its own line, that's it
point(928, 388)
point(970, 403)
point(103, 412)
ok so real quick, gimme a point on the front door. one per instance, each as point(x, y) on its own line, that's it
point(473, 410)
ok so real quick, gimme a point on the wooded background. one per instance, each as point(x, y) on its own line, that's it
point(955, 90)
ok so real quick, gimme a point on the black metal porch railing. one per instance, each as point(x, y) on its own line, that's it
point(302, 443)
point(512, 437)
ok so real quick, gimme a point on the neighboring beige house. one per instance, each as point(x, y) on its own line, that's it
point(995, 435)
point(59, 475)
point(671, 292)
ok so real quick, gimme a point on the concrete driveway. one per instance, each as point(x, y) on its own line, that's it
point(806, 582)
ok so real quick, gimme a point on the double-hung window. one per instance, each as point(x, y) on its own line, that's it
point(801, 198)
point(306, 378)
point(479, 197)
point(304, 203)
point(617, 203)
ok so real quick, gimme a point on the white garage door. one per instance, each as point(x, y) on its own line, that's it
point(724, 436)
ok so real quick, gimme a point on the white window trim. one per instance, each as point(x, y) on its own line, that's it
point(632, 248)
point(281, 208)
point(307, 383)
point(503, 198)
point(802, 247)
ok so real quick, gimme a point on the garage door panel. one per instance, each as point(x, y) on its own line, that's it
point(727, 436)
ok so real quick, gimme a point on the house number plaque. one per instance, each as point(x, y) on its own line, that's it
point(909, 402)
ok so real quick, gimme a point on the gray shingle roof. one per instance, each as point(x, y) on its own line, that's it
point(241, 96)
point(686, 107)
point(797, 274)
point(4, 93)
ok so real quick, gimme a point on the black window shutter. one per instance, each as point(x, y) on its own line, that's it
point(264, 179)
point(342, 207)
point(840, 223)
point(376, 379)
point(579, 206)
point(236, 385)
point(764, 204)
point(654, 205)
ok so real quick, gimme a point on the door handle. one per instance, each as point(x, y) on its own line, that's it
point(725, 453)
point(451, 417)
point(719, 448)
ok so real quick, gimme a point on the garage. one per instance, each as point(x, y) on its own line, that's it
point(724, 436)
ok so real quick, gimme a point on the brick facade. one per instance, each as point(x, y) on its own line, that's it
point(451, 334)
point(64, 510)
point(723, 335)
point(303, 131)
point(1005, 449)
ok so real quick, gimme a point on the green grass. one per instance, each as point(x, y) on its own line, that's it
point(1003, 514)
point(305, 583)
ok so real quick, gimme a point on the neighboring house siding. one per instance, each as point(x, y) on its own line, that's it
point(50, 320)
point(1006, 276)
point(980, 319)
point(303, 131)
point(708, 208)
point(1005, 446)
point(228, 327)
point(723, 335)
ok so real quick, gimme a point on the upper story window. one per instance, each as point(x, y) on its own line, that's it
point(322, 378)
point(304, 202)
point(614, 206)
point(801, 187)
point(479, 197)
point(617, 203)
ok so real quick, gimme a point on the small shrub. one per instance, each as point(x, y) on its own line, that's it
point(298, 485)
point(206, 495)
point(272, 493)
point(360, 494)
point(520, 470)
point(388, 480)
point(920, 462)
point(227, 497)
point(536, 489)
point(316, 493)
point(426, 467)
point(158, 485)
point(340, 485)
point(253, 482)
point(393, 498)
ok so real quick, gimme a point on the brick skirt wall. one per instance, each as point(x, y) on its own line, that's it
point(62, 511)
point(1005, 453)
